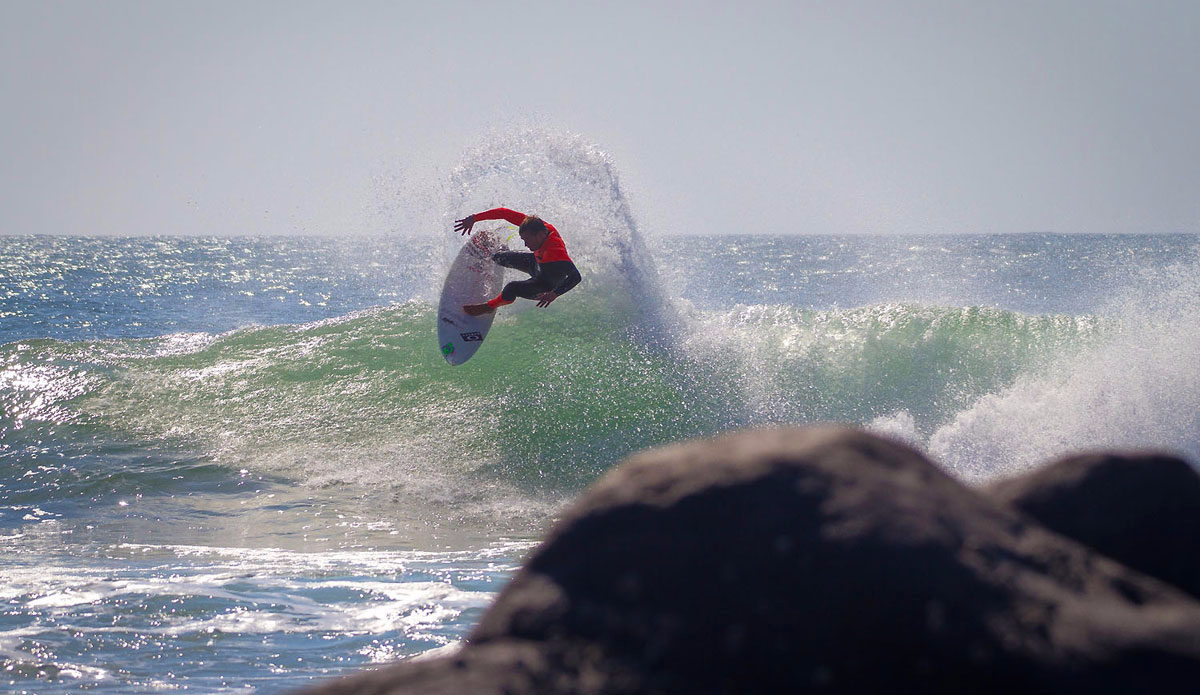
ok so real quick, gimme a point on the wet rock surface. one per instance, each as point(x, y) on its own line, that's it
point(819, 559)
point(1141, 509)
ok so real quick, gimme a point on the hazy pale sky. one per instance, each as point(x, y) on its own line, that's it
point(807, 117)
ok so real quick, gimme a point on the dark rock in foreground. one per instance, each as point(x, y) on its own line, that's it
point(825, 559)
point(1142, 510)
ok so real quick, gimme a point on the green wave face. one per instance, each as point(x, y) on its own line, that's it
point(552, 399)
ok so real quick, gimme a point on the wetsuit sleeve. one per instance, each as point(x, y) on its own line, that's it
point(510, 216)
point(568, 272)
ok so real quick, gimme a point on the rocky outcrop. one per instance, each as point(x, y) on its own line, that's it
point(797, 560)
point(1142, 509)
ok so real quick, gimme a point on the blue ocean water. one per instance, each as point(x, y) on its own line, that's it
point(236, 465)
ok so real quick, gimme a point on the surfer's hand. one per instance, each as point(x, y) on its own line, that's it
point(464, 225)
point(545, 298)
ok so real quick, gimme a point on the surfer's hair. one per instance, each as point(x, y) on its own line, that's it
point(533, 225)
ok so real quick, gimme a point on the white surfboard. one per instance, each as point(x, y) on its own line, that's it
point(473, 278)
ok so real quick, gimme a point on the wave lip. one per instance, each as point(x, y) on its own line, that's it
point(1137, 388)
point(574, 184)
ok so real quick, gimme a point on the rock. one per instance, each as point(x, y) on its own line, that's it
point(1140, 509)
point(823, 559)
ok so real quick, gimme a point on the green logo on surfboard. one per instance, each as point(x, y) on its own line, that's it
point(447, 348)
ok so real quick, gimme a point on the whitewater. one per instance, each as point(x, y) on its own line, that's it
point(239, 464)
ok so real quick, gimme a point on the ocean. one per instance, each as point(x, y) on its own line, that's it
point(241, 464)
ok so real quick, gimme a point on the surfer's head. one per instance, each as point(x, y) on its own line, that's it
point(533, 232)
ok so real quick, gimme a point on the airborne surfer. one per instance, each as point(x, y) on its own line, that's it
point(551, 271)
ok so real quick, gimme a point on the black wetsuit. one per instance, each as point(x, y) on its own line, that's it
point(552, 276)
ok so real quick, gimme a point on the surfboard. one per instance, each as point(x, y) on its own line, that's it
point(473, 278)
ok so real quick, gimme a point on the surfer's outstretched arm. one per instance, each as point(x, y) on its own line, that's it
point(511, 216)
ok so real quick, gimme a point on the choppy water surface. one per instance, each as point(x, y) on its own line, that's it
point(235, 465)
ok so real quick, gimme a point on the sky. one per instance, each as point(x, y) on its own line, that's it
point(231, 118)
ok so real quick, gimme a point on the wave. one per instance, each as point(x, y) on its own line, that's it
point(555, 397)
point(552, 399)
point(1136, 389)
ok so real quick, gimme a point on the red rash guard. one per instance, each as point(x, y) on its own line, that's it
point(552, 249)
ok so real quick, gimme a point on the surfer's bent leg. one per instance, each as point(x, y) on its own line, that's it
point(524, 262)
point(517, 260)
point(556, 276)
point(527, 289)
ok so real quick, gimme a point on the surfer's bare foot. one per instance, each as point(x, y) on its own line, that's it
point(477, 309)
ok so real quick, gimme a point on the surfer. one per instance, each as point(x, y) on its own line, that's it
point(551, 271)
